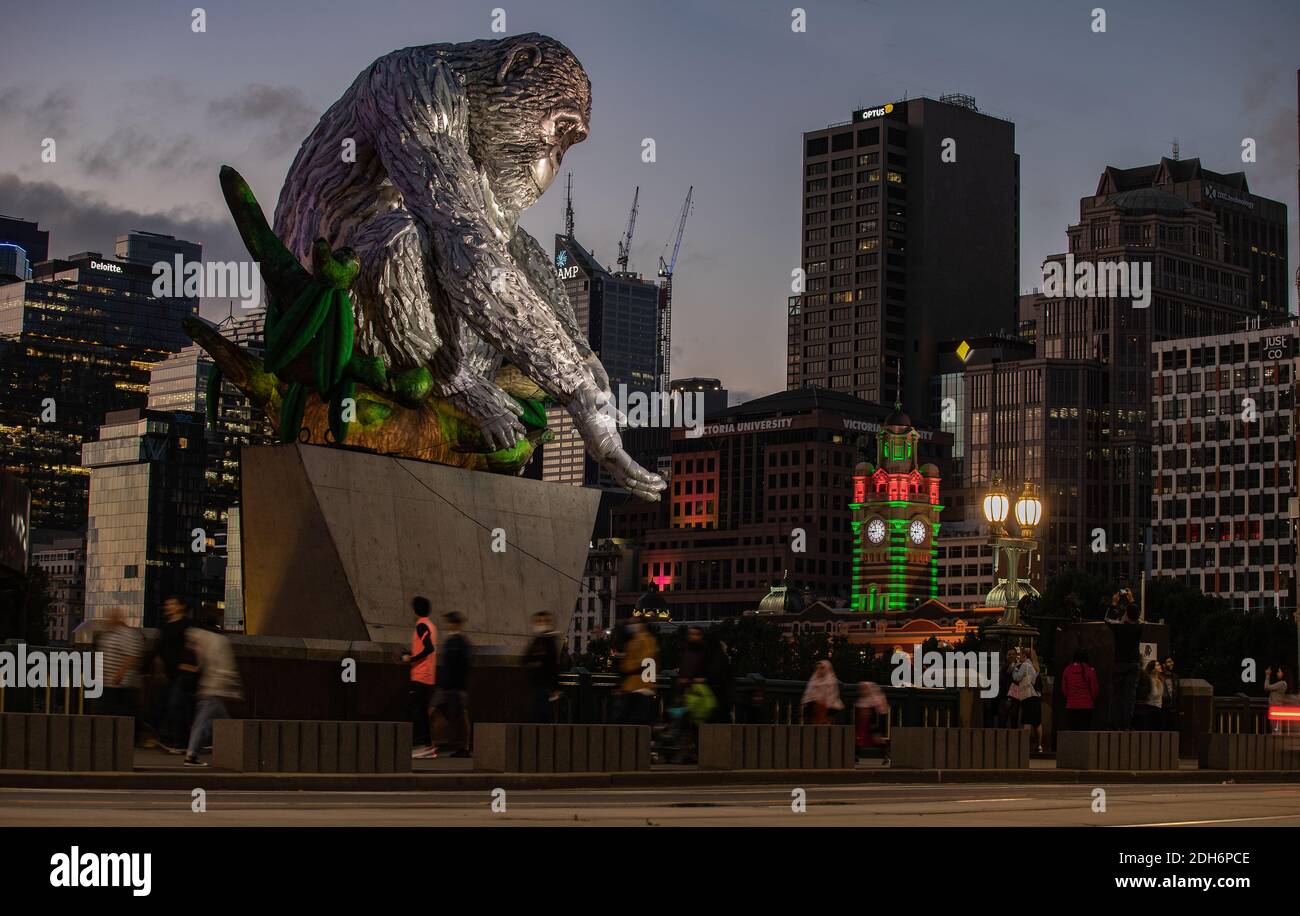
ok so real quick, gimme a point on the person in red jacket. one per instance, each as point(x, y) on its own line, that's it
point(1079, 686)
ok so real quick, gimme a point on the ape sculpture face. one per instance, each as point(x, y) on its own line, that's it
point(530, 100)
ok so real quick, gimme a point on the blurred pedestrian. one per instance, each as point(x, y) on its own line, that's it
point(1009, 708)
point(639, 666)
point(1030, 701)
point(423, 662)
point(175, 702)
point(451, 693)
point(1275, 687)
point(870, 708)
point(720, 679)
point(123, 648)
point(1126, 634)
point(218, 681)
point(1149, 698)
point(543, 663)
point(1171, 705)
point(1080, 689)
point(821, 697)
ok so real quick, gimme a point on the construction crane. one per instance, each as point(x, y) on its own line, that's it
point(625, 245)
point(666, 299)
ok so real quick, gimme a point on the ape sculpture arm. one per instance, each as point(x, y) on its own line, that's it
point(452, 143)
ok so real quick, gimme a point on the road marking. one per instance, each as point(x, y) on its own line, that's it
point(1223, 820)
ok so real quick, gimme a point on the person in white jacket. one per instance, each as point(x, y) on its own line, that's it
point(218, 682)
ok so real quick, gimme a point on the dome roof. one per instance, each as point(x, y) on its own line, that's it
point(929, 470)
point(652, 605)
point(898, 418)
point(1149, 200)
point(864, 469)
point(781, 600)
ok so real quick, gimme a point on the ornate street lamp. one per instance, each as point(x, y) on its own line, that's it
point(1011, 588)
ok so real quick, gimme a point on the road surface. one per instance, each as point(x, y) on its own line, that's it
point(749, 805)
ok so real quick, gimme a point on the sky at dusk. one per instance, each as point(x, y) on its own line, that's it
point(144, 111)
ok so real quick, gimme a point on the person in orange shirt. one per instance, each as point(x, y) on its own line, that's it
point(422, 658)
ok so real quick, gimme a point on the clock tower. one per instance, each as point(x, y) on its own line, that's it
point(895, 521)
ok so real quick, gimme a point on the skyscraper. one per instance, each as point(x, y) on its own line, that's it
point(1076, 419)
point(910, 237)
point(1253, 228)
point(619, 314)
point(146, 501)
point(77, 341)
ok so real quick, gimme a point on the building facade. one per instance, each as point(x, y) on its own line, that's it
point(1077, 418)
point(63, 560)
point(1253, 228)
point(77, 341)
point(765, 489)
point(1224, 465)
point(146, 503)
point(619, 312)
point(910, 235)
point(895, 523)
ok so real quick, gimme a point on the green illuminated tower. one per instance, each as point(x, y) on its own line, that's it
point(895, 520)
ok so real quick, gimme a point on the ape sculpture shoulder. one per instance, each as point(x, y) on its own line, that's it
point(408, 311)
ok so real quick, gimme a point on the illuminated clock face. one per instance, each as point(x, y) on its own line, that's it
point(876, 531)
point(917, 531)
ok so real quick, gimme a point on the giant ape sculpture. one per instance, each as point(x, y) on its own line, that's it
point(406, 197)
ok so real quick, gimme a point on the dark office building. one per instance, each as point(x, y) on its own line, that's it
point(146, 498)
point(22, 246)
point(77, 341)
point(620, 314)
point(738, 493)
point(1254, 228)
point(910, 236)
point(1076, 419)
point(149, 248)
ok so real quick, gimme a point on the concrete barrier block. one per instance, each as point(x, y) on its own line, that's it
point(913, 747)
point(1248, 752)
point(83, 743)
point(60, 739)
point(563, 752)
point(309, 747)
point(545, 749)
point(37, 754)
point(329, 747)
point(367, 747)
point(1109, 750)
point(349, 746)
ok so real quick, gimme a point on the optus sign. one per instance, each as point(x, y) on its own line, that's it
point(867, 114)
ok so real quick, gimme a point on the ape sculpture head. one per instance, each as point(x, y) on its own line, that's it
point(452, 143)
point(529, 100)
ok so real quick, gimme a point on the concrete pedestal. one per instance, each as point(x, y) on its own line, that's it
point(335, 543)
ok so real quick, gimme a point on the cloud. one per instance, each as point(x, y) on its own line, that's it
point(283, 113)
point(46, 113)
point(129, 147)
point(82, 222)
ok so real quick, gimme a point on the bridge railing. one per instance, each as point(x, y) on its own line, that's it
point(66, 698)
point(588, 697)
point(1240, 715)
